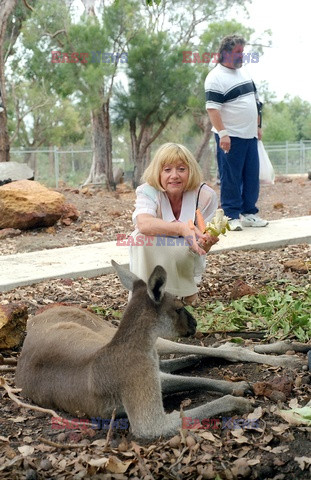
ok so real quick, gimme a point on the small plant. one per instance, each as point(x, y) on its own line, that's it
point(107, 312)
point(282, 311)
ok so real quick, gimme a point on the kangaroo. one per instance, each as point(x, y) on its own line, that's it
point(74, 361)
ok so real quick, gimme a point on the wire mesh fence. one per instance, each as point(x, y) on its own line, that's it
point(54, 165)
point(71, 166)
point(290, 158)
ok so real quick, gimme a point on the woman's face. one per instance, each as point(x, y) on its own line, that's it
point(174, 178)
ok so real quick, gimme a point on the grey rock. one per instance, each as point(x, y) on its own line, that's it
point(15, 171)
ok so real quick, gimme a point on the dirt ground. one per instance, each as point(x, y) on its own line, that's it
point(104, 214)
point(32, 448)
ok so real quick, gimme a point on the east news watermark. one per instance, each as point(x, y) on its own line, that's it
point(96, 423)
point(187, 423)
point(141, 240)
point(212, 57)
point(224, 423)
point(88, 57)
point(109, 57)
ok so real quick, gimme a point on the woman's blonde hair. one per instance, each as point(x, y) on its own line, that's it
point(172, 154)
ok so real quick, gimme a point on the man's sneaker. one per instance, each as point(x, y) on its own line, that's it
point(251, 220)
point(235, 225)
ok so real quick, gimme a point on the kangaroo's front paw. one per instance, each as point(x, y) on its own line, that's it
point(242, 388)
point(242, 405)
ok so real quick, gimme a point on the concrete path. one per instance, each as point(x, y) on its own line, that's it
point(94, 259)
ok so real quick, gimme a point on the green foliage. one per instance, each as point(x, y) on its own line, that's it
point(289, 119)
point(266, 95)
point(300, 112)
point(14, 26)
point(151, 2)
point(51, 29)
point(211, 38)
point(159, 83)
point(278, 126)
point(38, 117)
point(107, 312)
point(280, 311)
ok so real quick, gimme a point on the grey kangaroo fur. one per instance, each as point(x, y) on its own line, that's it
point(75, 361)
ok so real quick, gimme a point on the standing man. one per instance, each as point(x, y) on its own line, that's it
point(231, 103)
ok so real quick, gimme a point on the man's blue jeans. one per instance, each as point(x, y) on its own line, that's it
point(239, 176)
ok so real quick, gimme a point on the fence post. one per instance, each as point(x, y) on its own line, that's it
point(303, 166)
point(286, 167)
point(56, 166)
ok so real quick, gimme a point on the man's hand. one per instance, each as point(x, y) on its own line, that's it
point(225, 143)
point(216, 121)
point(259, 133)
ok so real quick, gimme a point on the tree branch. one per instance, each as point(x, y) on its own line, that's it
point(11, 393)
point(28, 6)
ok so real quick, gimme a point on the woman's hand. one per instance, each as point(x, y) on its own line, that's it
point(198, 243)
point(210, 240)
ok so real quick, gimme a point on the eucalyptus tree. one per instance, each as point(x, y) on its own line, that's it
point(158, 88)
point(11, 18)
point(161, 84)
point(80, 60)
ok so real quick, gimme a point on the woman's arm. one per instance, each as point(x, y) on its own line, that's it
point(149, 225)
point(208, 204)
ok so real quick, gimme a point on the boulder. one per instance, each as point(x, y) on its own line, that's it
point(13, 318)
point(15, 171)
point(27, 204)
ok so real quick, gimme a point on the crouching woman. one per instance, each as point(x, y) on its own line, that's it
point(165, 203)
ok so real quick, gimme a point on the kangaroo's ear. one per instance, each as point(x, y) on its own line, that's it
point(126, 277)
point(156, 284)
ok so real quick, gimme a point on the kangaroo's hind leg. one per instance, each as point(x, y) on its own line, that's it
point(175, 364)
point(177, 383)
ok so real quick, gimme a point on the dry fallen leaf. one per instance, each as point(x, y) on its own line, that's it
point(280, 428)
point(115, 465)
point(208, 436)
point(303, 462)
point(18, 419)
point(239, 437)
point(26, 450)
point(106, 291)
point(98, 462)
point(280, 449)
point(256, 414)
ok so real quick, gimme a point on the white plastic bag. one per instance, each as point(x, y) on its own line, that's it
point(266, 171)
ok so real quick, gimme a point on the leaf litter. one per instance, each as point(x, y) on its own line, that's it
point(31, 449)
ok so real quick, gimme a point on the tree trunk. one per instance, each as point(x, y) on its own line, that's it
point(97, 173)
point(6, 8)
point(101, 169)
point(203, 153)
point(108, 143)
point(141, 150)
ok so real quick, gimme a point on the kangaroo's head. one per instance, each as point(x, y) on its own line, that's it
point(171, 318)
